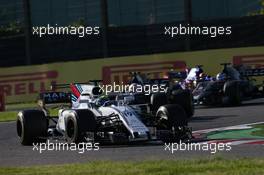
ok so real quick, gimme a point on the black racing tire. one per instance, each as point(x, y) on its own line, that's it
point(172, 117)
point(32, 127)
point(184, 98)
point(77, 124)
point(157, 100)
point(233, 93)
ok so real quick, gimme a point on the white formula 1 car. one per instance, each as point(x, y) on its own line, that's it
point(94, 117)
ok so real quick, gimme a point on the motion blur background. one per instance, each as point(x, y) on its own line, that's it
point(128, 27)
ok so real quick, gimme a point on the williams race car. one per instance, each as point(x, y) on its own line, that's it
point(87, 115)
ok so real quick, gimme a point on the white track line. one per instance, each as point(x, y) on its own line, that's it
point(227, 127)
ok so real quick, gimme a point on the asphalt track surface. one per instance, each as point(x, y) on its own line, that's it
point(13, 154)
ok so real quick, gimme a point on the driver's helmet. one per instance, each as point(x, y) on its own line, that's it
point(221, 76)
point(101, 100)
point(202, 75)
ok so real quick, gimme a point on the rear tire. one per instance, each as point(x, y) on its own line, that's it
point(233, 93)
point(183, 98)
point(32, 126)
point(77, 124)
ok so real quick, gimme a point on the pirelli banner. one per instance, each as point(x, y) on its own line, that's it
point(22, 84)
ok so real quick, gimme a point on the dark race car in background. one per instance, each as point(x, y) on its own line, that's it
point(231, 86)
point(189, 78)
point(175, 93)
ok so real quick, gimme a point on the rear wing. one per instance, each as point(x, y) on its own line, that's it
point(177, 75)
point(246, 71)
point(159, 81)
point(55, 97)
point(254, 72)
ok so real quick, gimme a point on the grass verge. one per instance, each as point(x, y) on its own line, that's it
point(12, 115)
point(19, 106)
point(12, 109)
point(8, 116)
point(216, 166)
point(259, 132)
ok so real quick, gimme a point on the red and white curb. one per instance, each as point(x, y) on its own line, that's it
point(238, 141)
point(201, 134)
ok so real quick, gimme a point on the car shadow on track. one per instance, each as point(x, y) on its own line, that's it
point(133, 144)
point(208, 118)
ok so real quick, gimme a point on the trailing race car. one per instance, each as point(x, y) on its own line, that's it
point(174, 94)
point(231, 87)
point(91, 116)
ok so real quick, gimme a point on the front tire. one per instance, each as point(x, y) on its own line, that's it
point(77, 124)
point(173, 120)
point(232, 93)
